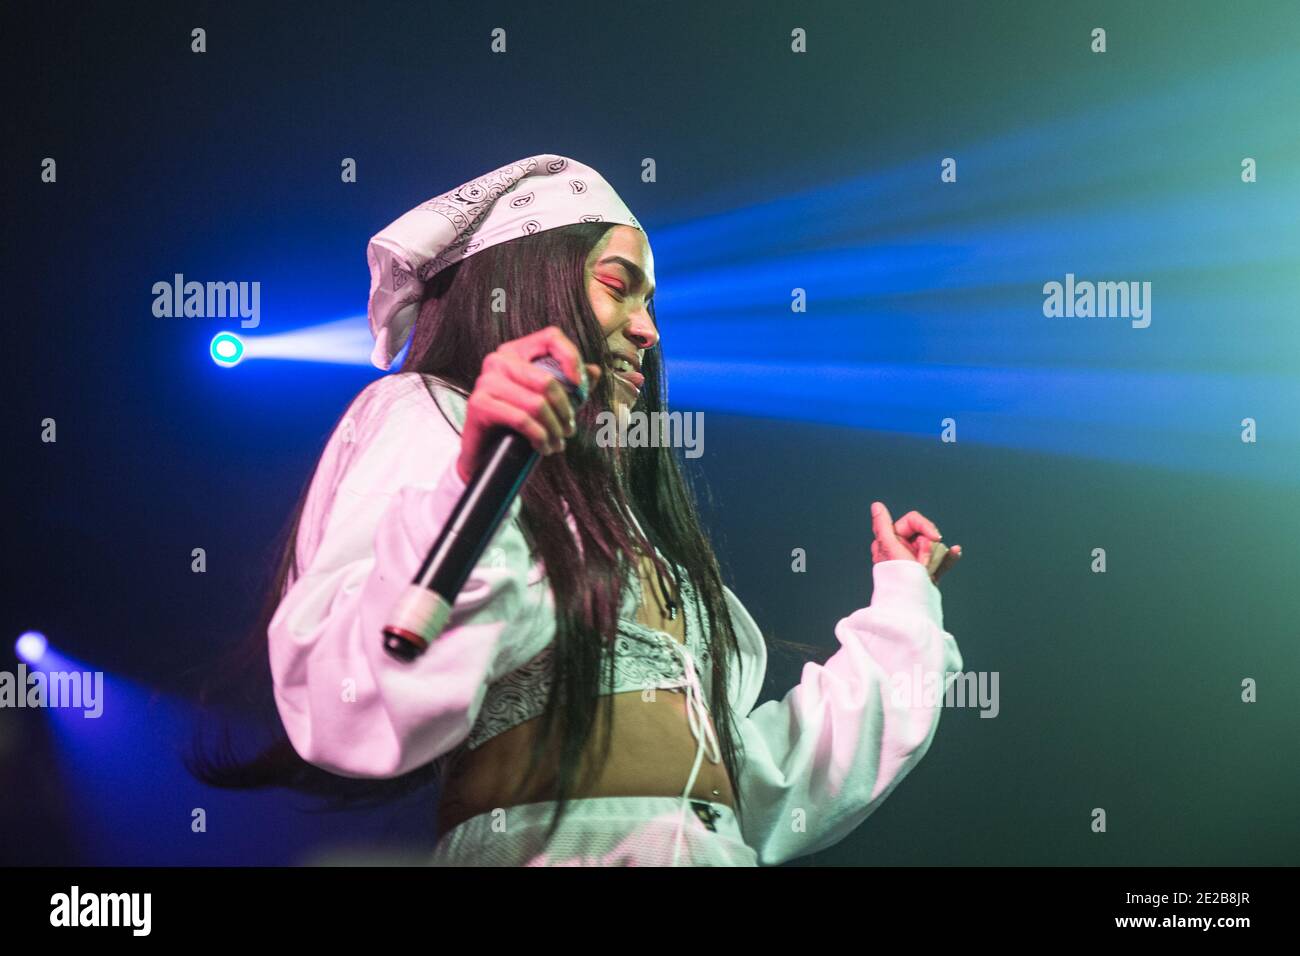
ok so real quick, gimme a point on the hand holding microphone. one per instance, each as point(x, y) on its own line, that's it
point(523, 404)
point(512, 392)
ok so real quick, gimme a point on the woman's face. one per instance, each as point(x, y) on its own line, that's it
point(620, 277)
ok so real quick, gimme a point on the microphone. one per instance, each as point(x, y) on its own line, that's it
point(506, 461)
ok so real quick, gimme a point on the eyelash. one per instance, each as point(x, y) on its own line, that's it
point(619, 293)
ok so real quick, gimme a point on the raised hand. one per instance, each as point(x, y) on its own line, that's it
point(913, 537)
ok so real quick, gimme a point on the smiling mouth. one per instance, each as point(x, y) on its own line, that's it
point(626, 374)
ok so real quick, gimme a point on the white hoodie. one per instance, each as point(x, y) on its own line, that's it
point(816, 762)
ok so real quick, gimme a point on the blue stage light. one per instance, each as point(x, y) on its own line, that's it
point(227, 349)
point(31, 646)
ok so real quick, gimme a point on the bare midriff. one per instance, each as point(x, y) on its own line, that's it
point(651, 751)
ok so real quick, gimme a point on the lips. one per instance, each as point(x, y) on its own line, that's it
point(633, 380)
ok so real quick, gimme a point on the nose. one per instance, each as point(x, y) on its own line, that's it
point(642, 331)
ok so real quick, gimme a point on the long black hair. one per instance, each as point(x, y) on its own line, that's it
point(499, 294)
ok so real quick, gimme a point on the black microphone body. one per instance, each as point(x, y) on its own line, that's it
point(507, 460)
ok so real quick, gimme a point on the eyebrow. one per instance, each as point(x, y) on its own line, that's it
point(634, 270)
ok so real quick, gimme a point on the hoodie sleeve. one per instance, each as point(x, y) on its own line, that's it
point(820, 760)
point(385, 486)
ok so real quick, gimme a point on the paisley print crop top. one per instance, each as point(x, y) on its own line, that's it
point(644, 658)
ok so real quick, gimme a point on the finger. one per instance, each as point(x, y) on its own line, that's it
point(514, 365)
point(566, 353)
point(949, 562)
point(527, 347)
point(594, 372)
point(549, 341)
point(914, 523)
point(883, 526)
point(924, 549)
point(502, 413)
point(534, 404)
point(535, 379)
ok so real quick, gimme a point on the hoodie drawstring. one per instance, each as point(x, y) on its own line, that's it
point(697, 715)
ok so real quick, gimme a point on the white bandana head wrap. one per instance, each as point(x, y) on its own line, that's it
point(541, 192)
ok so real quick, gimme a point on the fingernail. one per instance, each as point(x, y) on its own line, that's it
point(875, 507)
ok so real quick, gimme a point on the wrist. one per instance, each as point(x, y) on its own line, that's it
point(906, 584)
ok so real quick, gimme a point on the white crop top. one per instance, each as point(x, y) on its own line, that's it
point(815, 763)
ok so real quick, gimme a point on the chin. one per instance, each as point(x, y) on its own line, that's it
point(620, 403)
